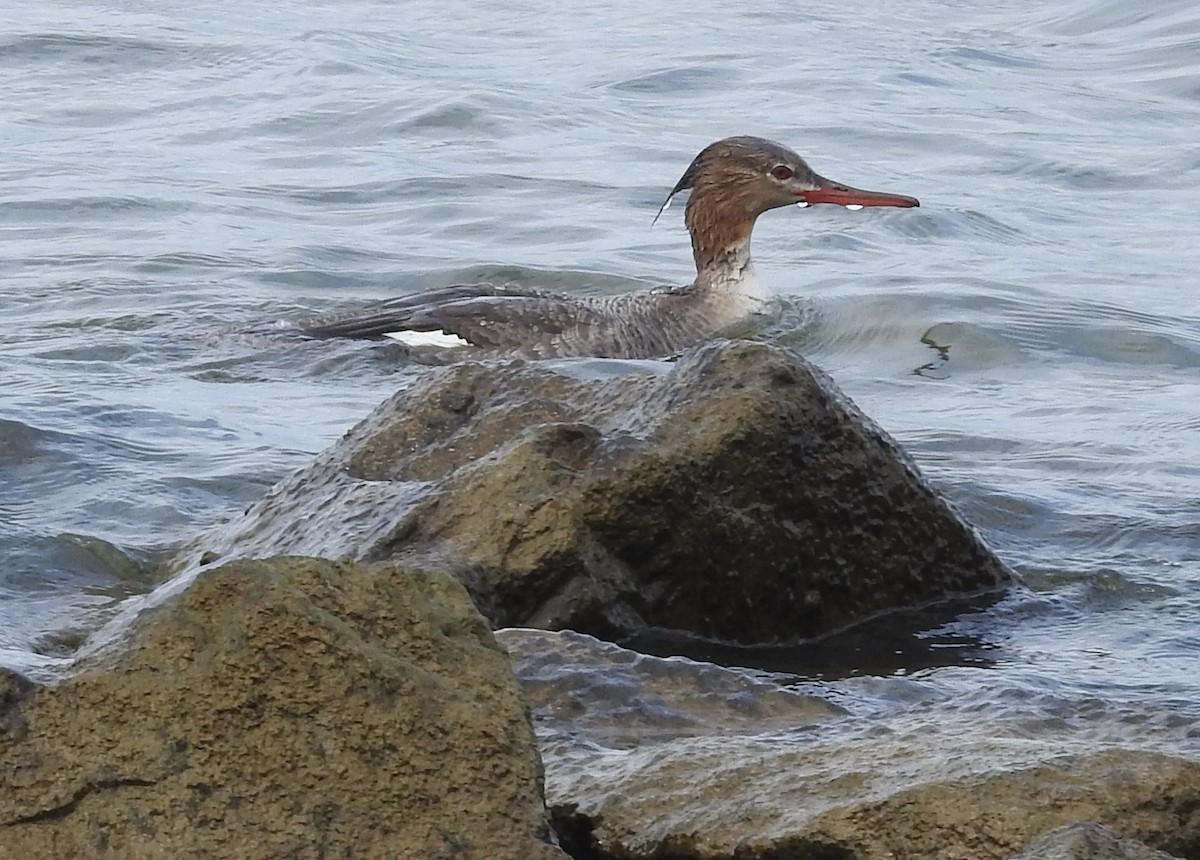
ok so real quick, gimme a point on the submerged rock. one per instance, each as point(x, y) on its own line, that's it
point(738, 496)
point(288, 708)
point(586, 692)
point(707, 799)
point(652, 758)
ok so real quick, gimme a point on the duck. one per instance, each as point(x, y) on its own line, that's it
point(731, 182)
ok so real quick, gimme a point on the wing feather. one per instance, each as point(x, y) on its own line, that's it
point(487, 315)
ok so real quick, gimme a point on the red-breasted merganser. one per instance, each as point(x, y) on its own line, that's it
point(732, 182)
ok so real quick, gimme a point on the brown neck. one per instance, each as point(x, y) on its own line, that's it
point(720, 221)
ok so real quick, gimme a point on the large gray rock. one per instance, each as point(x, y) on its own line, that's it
point(737, 497)
point(292, 708)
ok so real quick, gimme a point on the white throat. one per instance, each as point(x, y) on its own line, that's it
point(733, 276)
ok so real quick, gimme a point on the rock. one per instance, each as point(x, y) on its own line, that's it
point(1087, 841)
point(15, 688)
point(648, 758)
point(578, 687)
point(287, 708)
point(876, 800)
point(738, 497)
point(1148, 796)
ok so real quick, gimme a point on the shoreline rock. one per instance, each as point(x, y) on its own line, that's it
point(291, 707)
point(738, 497)
point(649, 758)
point(302, 707)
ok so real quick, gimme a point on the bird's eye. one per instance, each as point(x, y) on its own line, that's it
point(781, 172)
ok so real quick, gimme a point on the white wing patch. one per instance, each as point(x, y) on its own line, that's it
point(442, 339)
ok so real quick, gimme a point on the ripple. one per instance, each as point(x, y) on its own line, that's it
point(1030, 333)
point(981, 57)
point(951, 223)
point(1089, 17)
point(20, 211)
point(684, 80)
point(21, 442)
point(924, 80)
point(1151, 46)
point(119, 52)
point(1079, 176)
point(969, 346)
point(457, 116)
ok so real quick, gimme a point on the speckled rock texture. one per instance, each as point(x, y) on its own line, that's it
point(738, 496)
point(1145, 796)
point(291, 708)
point(1087, 841)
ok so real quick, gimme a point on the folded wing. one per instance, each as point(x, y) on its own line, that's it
point(489, 316)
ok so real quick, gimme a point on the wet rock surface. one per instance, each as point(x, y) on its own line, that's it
point(738, 496)
point(1087, 841)
point(767, 802)
point(289, 708)
point(670, 758)
point(582, 687)
point(1144, 796)
point(343, 709)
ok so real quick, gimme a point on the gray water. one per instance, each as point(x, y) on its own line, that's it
point(174, 172)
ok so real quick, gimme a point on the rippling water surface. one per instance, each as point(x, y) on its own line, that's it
point(175, 171)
